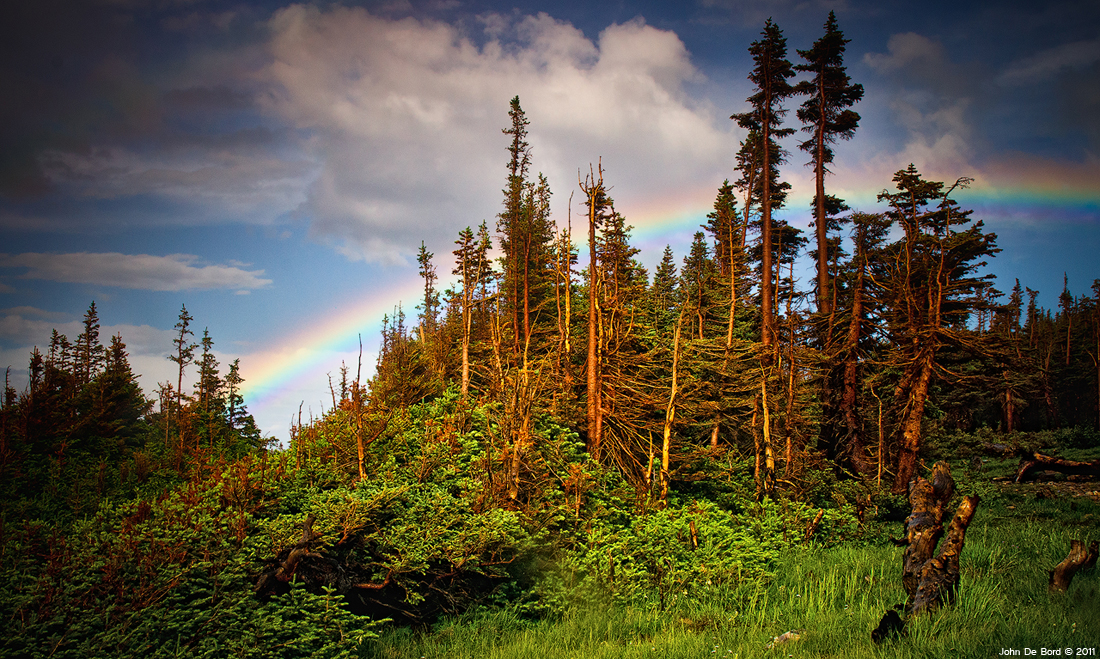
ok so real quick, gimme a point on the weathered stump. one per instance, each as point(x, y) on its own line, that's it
point(939, 576)
point(1077, 559)
point(930, 577)
point(924, 526)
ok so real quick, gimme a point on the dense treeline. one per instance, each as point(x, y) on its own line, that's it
point(902, 334)
point(83, 429)
point(559, 426)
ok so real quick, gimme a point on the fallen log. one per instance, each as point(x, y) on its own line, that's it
point(1077, 559)
point(1037, 462)
point(286, 564)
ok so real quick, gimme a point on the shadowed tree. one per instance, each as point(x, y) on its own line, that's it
point(185, 354)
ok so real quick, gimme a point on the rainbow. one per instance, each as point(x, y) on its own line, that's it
point(296, 371)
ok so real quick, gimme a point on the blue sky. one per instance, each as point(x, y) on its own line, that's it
point(275, 166)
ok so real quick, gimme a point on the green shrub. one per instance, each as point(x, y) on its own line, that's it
point(682, 552)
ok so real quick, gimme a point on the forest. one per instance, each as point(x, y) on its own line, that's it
point(565, 453)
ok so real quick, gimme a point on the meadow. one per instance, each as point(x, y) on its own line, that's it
point(832, 597)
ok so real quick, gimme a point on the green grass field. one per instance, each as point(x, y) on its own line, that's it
point(833, 597)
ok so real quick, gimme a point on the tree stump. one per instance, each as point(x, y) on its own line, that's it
point(924, 526)
point(930, 581)
point(1078, 558)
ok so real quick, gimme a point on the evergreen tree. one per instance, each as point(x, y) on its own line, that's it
point(698, 281)
point(185, 354)
point(89, 352)
point(209, 396)
point(727, 229)
point(525, 235)
point(770, 73)
point(665, 292)
point(429, 308)
point(930, 292)
point(826, 117)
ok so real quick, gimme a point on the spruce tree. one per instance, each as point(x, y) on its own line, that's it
point(726, 226)
point(770, 73)
point(185, 354)
point(89, 352)
point(825, 115)
point(930, 291)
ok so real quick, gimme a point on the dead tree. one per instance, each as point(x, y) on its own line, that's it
point(1078, 558)
point(931, 577)
point(287, 563)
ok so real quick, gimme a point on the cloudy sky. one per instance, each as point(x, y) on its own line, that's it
point(275, 167)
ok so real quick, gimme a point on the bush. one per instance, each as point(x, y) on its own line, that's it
point(684, 551)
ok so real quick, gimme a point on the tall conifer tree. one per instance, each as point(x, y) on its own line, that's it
point(826, 118)
point(770, 73)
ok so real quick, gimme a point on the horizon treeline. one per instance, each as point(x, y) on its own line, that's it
point(83, 428)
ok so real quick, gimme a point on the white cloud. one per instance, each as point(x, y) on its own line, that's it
point(175, 272)
point(930, 97)
point(1038, 67)
point(406, 116)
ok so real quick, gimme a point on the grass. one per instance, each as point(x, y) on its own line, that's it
point(833, 596)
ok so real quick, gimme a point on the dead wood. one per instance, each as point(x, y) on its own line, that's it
point(929, 581)
point(289, 559)
point(939, 576)
point(924, 526)
point(1037, 462)
point(812, 528)
point(1077, 559)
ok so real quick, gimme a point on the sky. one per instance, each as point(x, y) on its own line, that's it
point(275, 167)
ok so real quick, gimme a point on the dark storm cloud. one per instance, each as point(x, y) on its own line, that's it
point(66, 71)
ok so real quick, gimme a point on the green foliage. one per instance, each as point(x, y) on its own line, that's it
point(163, 578)
point(833, 597)
point(654, 559)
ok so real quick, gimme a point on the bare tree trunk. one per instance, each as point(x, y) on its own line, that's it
point(733, 293)
point(769, 455)
point(823, 301)
point(788, 417)
point(767, 312)
point(911, 429)
point(592, 189)
point(850, 397)
point(757, 474)
point(357, 398)
point(670, 410)
point(881, 438)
